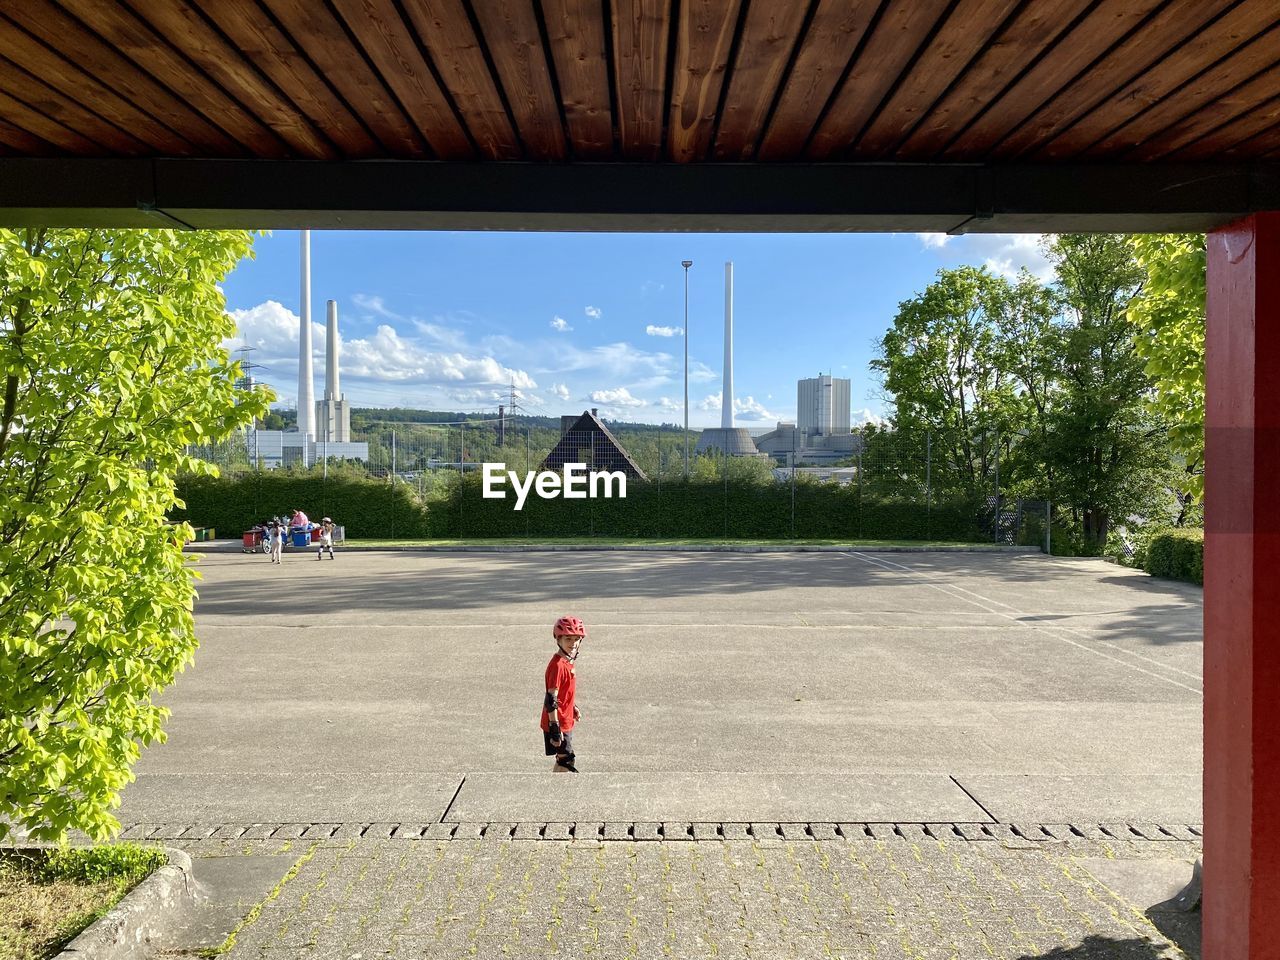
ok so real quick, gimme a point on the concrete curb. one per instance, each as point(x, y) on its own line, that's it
point(655, 548)
point(128, 929)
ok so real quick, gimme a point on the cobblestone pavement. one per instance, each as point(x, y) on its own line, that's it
point(901, 897)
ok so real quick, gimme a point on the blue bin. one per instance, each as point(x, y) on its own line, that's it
point(301, 537)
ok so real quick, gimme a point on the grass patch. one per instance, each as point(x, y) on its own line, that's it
point(629, 542)
point(49, 896)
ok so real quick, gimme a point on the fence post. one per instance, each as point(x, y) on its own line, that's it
point(859, 494)
point(997, 457)
point(928, 484)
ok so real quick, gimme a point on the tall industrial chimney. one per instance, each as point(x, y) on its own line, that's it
point(306, 387)
point(331, 391)
point(726, 396)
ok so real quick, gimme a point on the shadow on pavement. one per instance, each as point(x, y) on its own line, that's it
point(1107, 948)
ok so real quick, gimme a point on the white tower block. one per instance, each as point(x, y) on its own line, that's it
point(306, 387)
point(331, 391)
point(726, 395)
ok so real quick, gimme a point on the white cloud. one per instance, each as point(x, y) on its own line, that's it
point(865, 416)
point(370, 364)
point(653, 331)
point(620, 397)
point(744, 408)
point(560, 324)
point(595, 313)
point(1004, 254)
point(667, 405)
point(560, 390)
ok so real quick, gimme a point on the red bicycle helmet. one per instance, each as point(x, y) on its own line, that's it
point(569, 627)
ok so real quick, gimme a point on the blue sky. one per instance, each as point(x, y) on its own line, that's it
point(448, 320)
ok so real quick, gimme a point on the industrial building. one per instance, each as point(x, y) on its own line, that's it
point(727, 439)
point(822, 432)
point(324, 426)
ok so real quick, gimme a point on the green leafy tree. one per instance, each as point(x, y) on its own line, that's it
point(1110, 456)
point(1170, 316)
point(109, 342)
point(941, 363)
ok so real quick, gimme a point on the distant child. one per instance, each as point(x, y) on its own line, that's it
point(327, 528)
point(559, 711)
point(277, 534)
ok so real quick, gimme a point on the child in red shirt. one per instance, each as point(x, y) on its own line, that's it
point(559, 711)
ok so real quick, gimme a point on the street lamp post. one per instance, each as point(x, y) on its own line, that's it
point(686, 264)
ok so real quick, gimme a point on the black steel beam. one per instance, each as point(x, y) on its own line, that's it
point(632, 197)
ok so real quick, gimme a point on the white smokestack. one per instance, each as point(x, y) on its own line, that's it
point(331, 391)
point(726, 396)
point(306, 388)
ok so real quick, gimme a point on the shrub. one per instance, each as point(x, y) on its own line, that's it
point(366, 507)
point(1177, 553)
point(125, 862)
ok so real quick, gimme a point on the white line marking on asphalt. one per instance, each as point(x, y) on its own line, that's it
point(1033, 625)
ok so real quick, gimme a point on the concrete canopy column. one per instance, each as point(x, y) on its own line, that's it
point(1242, 592)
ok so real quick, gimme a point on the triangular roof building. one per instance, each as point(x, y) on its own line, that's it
point(586, 439)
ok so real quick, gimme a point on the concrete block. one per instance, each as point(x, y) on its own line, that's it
point(498, 831)
point(439, 831)
point(380, 831)
point(319, 831)
point(558, 831)
point(823, 831)
point(911, 831)
point(973, 831)
point(647, 831)
point(588, 830)
point(853, 831)
point(945, 832)
point(528, 831)
point(230, 831)
point(766, 831)
point(468, 831)
point(259, 831)
point(408, 831)
point(707, 831)
point(617, 830)
point(882, 831)
point(677, 830)
point(735, 831)
point(795, 831)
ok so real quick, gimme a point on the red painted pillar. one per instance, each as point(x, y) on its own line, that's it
point(1242, 592)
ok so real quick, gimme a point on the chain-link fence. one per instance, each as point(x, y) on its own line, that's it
point(872, 484)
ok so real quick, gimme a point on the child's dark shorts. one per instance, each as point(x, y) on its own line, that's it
point(564, 752)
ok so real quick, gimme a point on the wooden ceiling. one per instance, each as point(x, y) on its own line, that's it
point(685, 81)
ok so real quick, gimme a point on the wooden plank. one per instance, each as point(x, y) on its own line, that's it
point(575, 33)
point(640, 68)
point(1263, 145)
point(704, 41)
point(67, 112)
point(1242, 112)
point(150, 51)
point(318, 33)
point(511, 34)
point(894, 41)
point(961, 38)
point(188, 32)
point(1017, 45)
point(19, 115)
point(1203, 89)
point(105, 82)
point(768, 38)
point(23, 143)
point(390, 42)
point(833, 35)
point(1162, 34)
point(1256, 120)
point(260, 41)
point(1106, 23)
point(1161, 79)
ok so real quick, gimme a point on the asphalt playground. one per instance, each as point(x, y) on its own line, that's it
point(404, 687)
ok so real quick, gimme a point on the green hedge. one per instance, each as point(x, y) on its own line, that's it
point(1177, 554)
point(365, 507)
point(696, 509)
